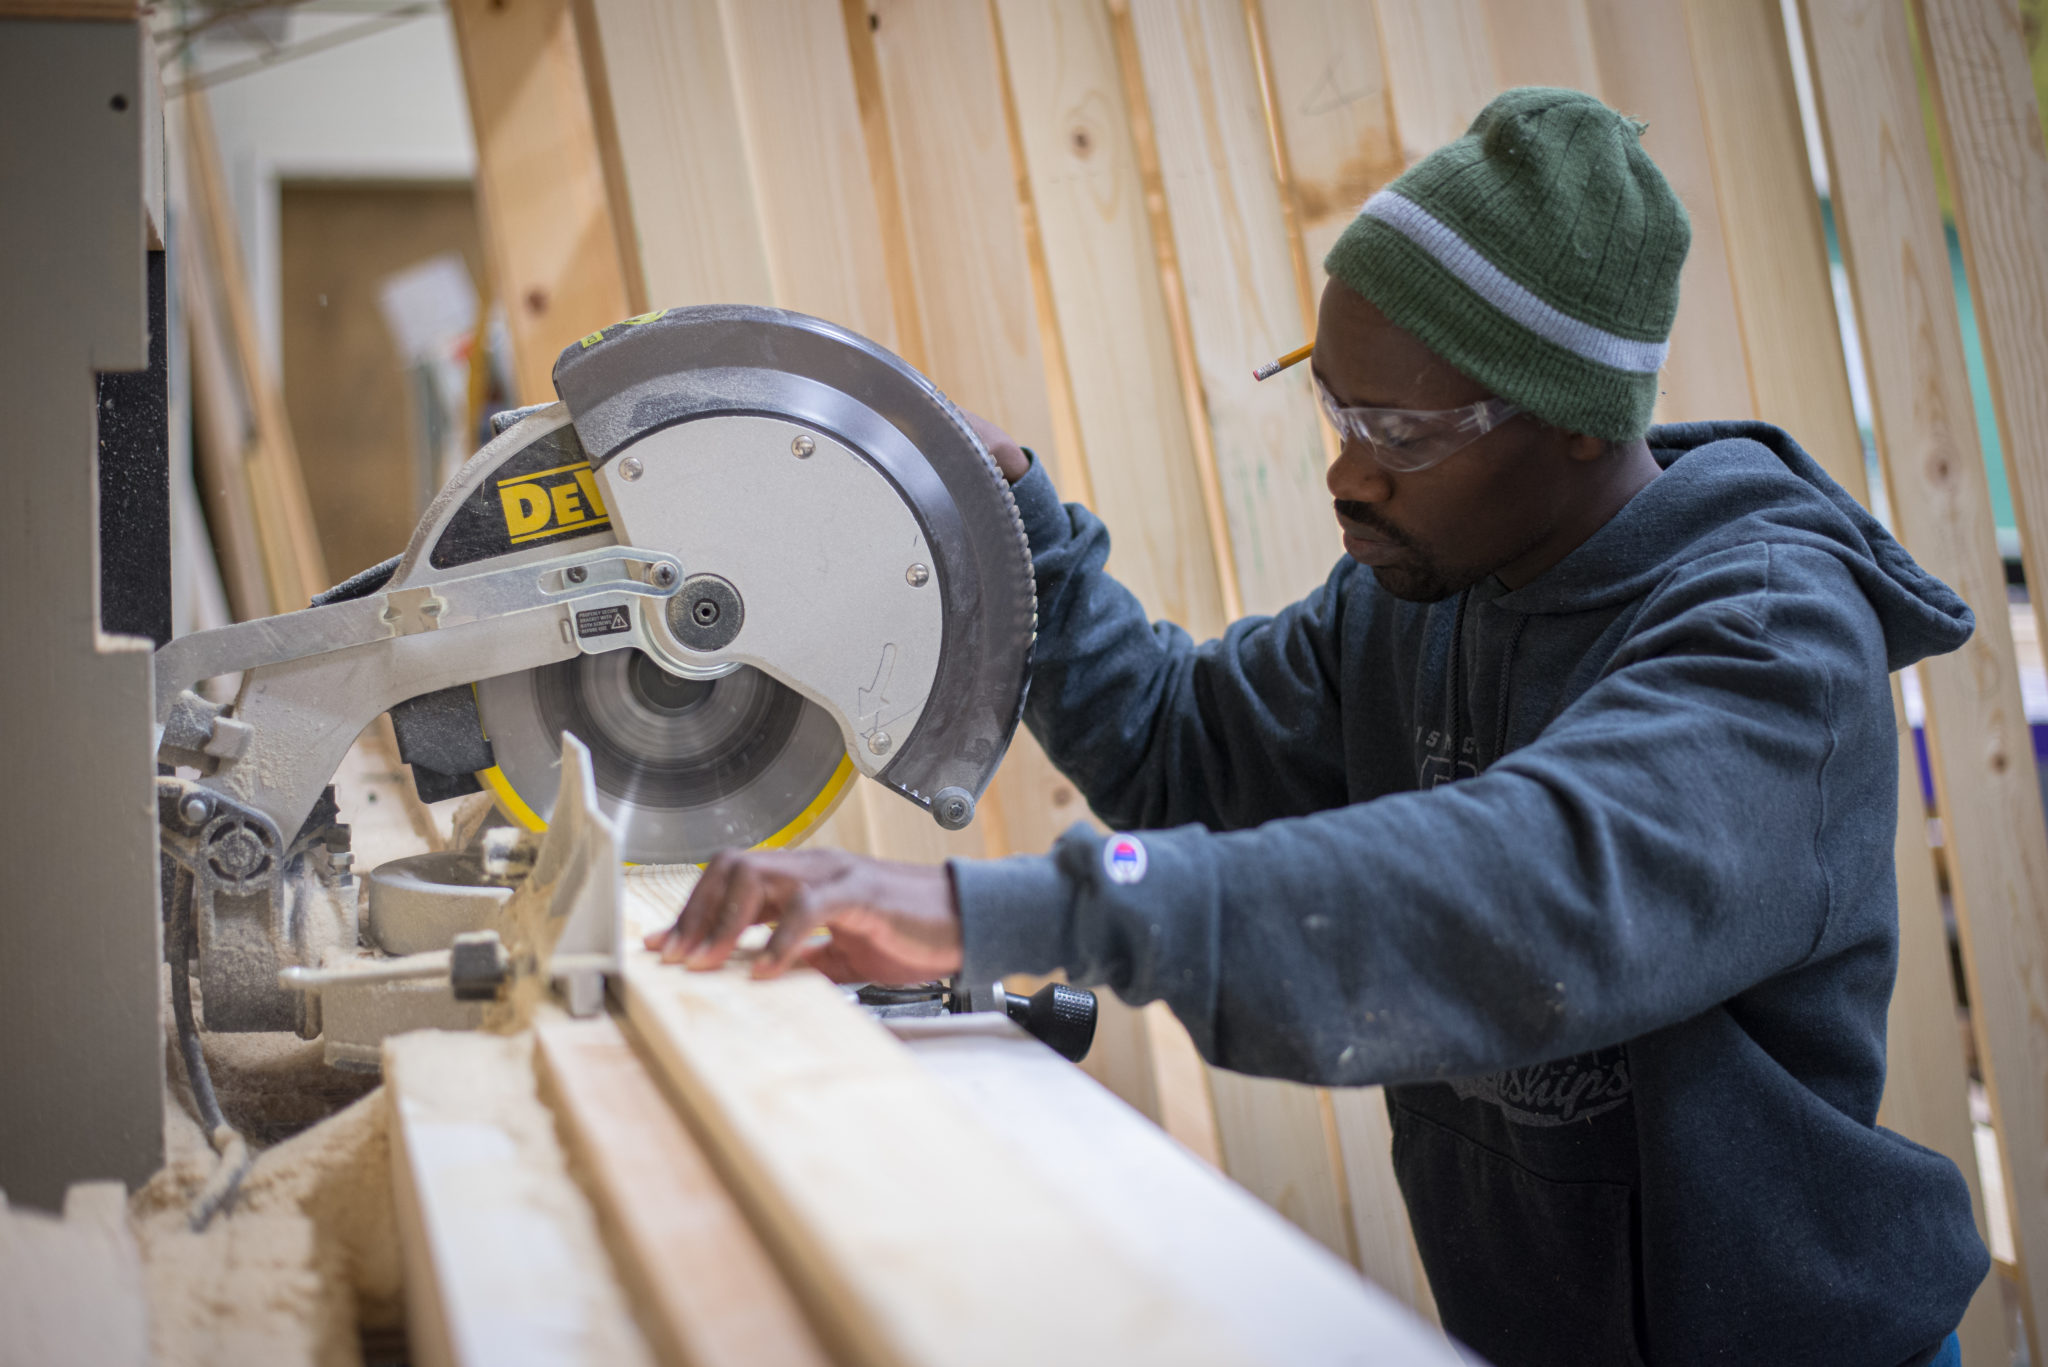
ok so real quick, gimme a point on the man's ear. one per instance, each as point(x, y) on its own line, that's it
point(1586, 450)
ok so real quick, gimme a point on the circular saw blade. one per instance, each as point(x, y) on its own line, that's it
point(684, 767)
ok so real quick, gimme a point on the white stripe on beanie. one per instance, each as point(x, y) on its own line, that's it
point(1486, 280)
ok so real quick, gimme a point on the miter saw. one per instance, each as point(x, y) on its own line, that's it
point(748, 557)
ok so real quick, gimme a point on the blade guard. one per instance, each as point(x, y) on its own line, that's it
point(632, 380)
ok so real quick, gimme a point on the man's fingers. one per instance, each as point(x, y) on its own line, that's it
point(747, 898)
point(693, 923)
point(803, 911)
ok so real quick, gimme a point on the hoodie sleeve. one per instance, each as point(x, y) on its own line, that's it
point(1656, 850)
point(1158, 731)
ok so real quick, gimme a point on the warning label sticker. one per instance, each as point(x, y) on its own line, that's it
point(601, 621)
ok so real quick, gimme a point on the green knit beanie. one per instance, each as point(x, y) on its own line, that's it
point(1538, 254)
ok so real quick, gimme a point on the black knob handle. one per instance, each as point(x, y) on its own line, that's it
point(1062, 1016)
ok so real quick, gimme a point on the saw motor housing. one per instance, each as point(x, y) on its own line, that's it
point(749, 557)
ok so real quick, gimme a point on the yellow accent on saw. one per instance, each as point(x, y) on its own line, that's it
point(802, 824)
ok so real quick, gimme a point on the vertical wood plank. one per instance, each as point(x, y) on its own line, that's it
point(1644, 59)
point(940, 84)
point(808, 160)
point(1243, 304)
point(1998, 172)
point(1081, 163)
point(1889, 217)
point(1328, 96)
point(1778, 268)
point(547, 228)
point(288, 542)
point(1200, 82)
point(1102, 295)
point(1542, 42)
point(668, 116)
point(1441, 58)
point(1336, 118)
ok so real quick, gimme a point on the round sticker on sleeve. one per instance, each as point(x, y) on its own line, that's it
point(1123, 859)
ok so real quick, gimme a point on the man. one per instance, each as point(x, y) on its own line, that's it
point(1564, 807)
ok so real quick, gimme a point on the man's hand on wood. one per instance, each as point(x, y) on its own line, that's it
point(889, 923)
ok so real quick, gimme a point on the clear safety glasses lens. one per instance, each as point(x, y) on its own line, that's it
point(1410, 439)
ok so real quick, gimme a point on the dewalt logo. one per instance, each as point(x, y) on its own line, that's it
point(556, 502)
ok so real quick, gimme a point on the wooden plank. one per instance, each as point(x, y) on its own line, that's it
point(1778, 270)
point(1190, 63)
point(800, 116)
point(938, 78)
point(504, 1266)
point(1335, 114)
point(1236, 270)
point(1089, 201)
point(1328, 96)
point(708, 1292)
point(800, 112)
point(283, 518)
point(1889, 218)
point(1542, 42)
point(1991, 143)
point(906, 1225)
point(1441, 59)
point(1379, 1216)
point(668, 118)
point(1207, 1236)
point(221, 415)
point(547, 228)
point(1645, 70)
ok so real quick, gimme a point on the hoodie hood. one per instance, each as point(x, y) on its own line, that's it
point(1729, 484)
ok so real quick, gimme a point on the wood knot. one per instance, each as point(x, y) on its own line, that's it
point(1062, 795)
point(537, 301)
point(1082, 141)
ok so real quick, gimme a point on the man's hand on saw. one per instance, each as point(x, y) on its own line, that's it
point(1010, 457)
point(889, 923)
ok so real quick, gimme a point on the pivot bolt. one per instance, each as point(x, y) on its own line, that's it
point(878, 742)
point(705, 612)
point(802, 446)
point(195, 809)
point(663, 576)
point(917, 576)
point(952, 808)
point(576, 574)
point(631, 469)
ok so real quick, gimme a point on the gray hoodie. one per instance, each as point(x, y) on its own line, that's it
point(1627, 980)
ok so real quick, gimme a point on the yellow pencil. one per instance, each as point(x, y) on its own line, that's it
point(1272, 368)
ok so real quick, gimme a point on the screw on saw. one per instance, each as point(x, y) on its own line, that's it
point(195, 809)
point(576, 574)
point(631, 469)
point(662, 576)
point(802, 446)
point(917, 576)
point(878, 742)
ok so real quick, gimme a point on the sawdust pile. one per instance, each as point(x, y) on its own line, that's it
point(307, 1253)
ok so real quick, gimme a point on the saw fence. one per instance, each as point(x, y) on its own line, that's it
point(1088, 219)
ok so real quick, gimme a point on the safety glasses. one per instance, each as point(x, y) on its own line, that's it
point(1409, 439)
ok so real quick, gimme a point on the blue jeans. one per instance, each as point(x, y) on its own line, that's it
point(1951, 1354)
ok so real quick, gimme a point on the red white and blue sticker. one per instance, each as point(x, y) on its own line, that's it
point(1123, 859)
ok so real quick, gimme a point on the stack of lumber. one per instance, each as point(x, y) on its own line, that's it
point(750, 1172)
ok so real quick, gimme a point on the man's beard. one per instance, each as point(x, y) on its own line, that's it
point(1418, 577)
